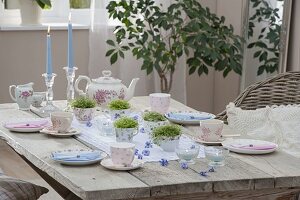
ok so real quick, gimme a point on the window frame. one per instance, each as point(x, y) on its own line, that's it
point(57, 14)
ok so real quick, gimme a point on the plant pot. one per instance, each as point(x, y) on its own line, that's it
point(116, 114)
point(125, 134)
point(149, 126)
point(84, 115)
point(169, 144)
point(30, 12)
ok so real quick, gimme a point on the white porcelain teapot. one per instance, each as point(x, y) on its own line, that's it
point(105, 89)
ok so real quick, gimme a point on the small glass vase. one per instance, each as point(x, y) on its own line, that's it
point(49, 107)
point(70, 75)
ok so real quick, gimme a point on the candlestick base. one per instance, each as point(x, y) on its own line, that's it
point(49, 107)
point(70, 75)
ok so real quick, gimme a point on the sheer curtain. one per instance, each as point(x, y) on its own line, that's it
point(128, 68)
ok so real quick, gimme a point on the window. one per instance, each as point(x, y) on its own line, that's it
point(58, 13)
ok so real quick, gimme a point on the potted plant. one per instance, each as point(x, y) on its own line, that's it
point(84, 109)
point(125, 128)
point(118, 108)
point(31, 10)
point(167, 136)
point(159, 37)
point(152, 120)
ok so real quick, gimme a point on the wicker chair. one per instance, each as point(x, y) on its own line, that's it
point(281, 89)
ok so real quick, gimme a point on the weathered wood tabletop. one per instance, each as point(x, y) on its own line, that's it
point(243, 177)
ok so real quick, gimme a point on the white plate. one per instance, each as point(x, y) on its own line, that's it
point(209, 143)
point(227, 144)
point(50, 131)
point(107, 163)
point(25, 121)
point(81, 163)
point(188, 117)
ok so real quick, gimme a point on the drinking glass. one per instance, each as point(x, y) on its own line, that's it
point(216, 156)
point(187, 150)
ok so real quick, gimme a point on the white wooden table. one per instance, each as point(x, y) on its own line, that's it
point(243, 176)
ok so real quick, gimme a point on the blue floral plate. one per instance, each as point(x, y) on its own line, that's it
point(188, 117)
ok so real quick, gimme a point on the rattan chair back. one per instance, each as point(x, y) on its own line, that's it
point(281, 89)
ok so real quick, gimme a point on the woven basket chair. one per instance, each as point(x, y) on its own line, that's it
point(281, 89)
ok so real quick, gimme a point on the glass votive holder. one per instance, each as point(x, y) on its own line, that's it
point(105, 126)
point(216, 156)
point(187, 151)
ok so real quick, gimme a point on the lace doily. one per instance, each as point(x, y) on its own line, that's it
point(279, 124)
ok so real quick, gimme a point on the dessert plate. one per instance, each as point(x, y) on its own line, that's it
point(26, 125)
point(188, 117)
point(249, 146)
point(136, 163)
point(78, 157)
point(50, 131)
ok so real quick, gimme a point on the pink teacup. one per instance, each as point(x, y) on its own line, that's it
point(122, 153)
point(211, 130)
point(160, 102)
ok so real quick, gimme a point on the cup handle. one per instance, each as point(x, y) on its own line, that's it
point(81, 92)
point(10, 92)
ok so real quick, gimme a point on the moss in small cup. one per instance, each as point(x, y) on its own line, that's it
point(118, 105)
point(153, 117)
point(166, 132)
point(83, 102)
point(126, 122)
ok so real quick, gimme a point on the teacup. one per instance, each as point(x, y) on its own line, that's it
point(125, 134)
point(61, 121)
point(122, 153)
point(160, 102)
point(38, 98)
point(211, 130)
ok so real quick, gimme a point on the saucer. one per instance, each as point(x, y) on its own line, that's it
point(50, 131)
point(136, 163)
point(69, 153)
point(188, 117)
point(219, 142)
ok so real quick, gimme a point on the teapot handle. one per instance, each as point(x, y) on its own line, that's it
point(10, 93)
point(80, 92)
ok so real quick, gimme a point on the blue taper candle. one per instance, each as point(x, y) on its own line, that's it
point(70, 44)
point(49, 53)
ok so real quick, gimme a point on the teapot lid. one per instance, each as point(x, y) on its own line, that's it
point(106, 78)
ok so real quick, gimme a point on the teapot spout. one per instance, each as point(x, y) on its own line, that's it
point(131, 88)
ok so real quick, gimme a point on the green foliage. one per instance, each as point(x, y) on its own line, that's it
point(83, 102)
point(126, 122)
point(80, 3)
point(118, 104)
point(166, 132)
point(160, 37)
point(153, 117)
point(267, 42)
point(42, 3)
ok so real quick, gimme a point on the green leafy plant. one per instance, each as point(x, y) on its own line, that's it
point(268, 40)
point(42, 3)
point(126, 122)
point(118, 104)
point(165, 132)
point(153, 117)
point(83, 102)
point(160, 37)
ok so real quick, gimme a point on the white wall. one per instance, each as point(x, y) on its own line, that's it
point(23, 58)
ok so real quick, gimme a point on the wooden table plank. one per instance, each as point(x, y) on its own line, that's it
point(283, 167)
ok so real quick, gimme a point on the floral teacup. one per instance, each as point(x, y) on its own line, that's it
point(84, 115)
point(211, 130)
point(125, 134)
